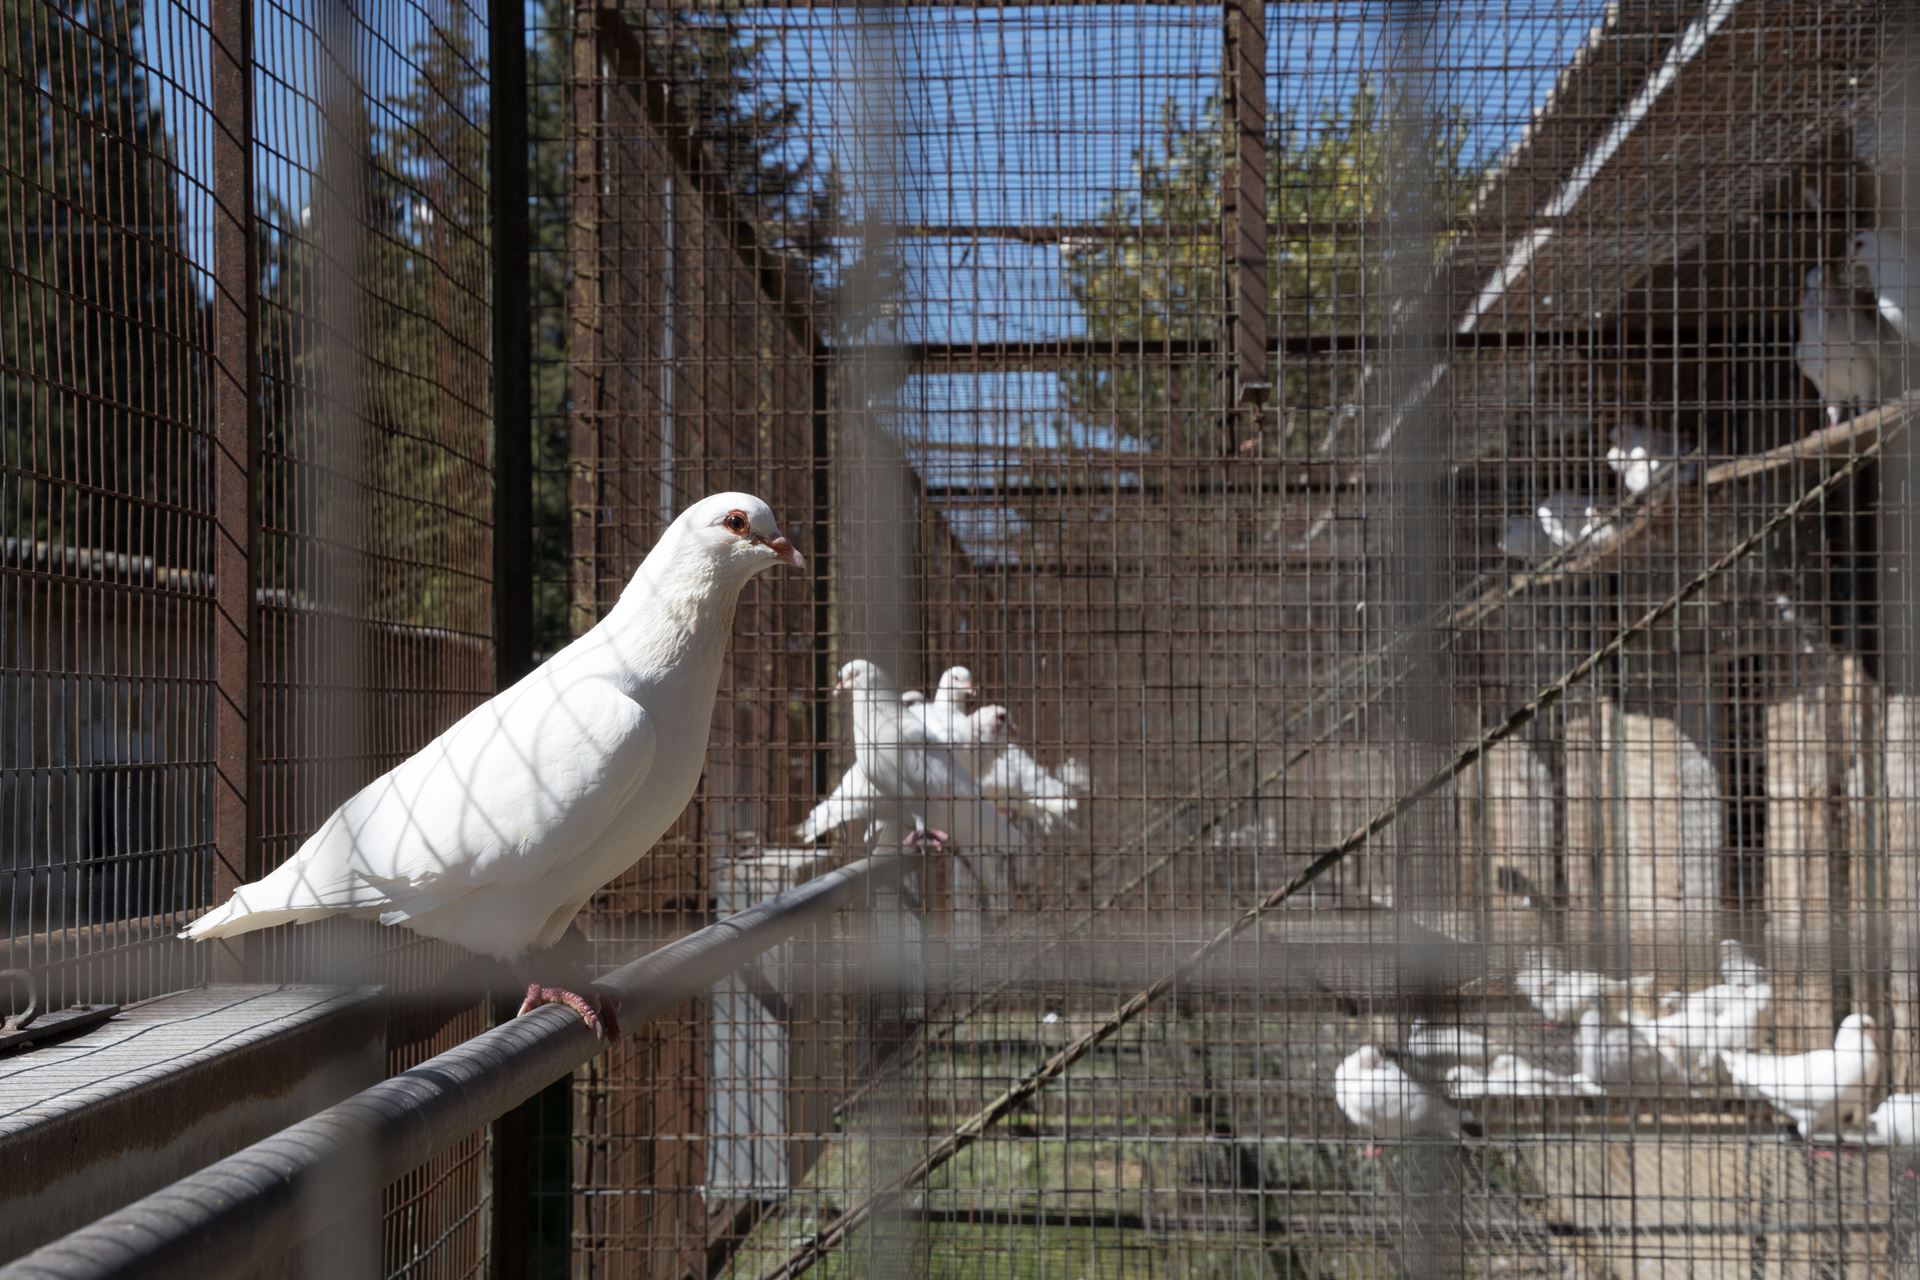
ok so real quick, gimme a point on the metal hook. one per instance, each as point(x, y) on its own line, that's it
point(20, 1021)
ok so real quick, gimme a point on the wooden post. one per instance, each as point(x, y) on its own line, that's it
point(1244, 206)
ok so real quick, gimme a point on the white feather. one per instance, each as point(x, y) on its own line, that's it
point(1816, 1090)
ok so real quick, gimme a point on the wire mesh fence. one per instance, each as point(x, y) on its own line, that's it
point(1400, 515)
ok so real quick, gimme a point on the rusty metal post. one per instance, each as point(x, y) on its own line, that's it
point(1244, 207)
point(583, 320)
point(236, 442)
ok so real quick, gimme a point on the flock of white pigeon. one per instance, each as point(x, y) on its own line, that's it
point(1856, 356)
point(1702, 1039)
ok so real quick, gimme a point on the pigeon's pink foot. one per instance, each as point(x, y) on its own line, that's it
point(600, 1011)
point(1819, 1153)
point(1373, 1151)
point(928, 835)
point(1911, 1173)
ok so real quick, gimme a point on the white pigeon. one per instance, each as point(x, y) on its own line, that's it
point(946, 715)
point(1511, 1076)
point(1567, 518)
point(1445, 1044)
point(1523, 539)
point(1562, 995)
point(1896, 1123)
point(1386, 1102)
point(919, 782)
point(1879, 260)
point(494, 835)
point(1620, 1056)
point(1703, 1023)
point(1838, 347)
point(1737, 966)
point(1638, 455)
point(851, 801)
point(1815, 1090)
point(1015, 779)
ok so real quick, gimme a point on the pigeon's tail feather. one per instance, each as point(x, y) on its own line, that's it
point(233, 918)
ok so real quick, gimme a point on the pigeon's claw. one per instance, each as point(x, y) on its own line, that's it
point(600, 1011)
point(933, 836)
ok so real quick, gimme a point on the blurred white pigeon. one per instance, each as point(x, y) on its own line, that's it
point(1511, 1076)
point(1737, 966)
point(1562, 995)
point(1838, 348)
point(851, 801)
point(918, 781)
point(1567, 518)
point(495, 834)
point(947, 713)
point(1617, 1056)
point(1896, 1123)
point(1878, 259)
point(1018, 781)
point(1703, 1023)
point(1638, 454)
point(1386, 1102)
point(1445, 1044)
point(1523, 539)
point(1816, 1090)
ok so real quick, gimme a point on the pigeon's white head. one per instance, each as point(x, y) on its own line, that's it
point(956, 680)
point(736, 531)
point(991, 725)
point(1368, 1057)
point(860, 676)
point(1854, 1028)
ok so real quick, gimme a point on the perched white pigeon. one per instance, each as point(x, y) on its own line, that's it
point(1562, 995)
point(1838, 347)
point(1511, 1076)
point(1445, 1044)
point(1638, 455)
point(1523, 539)
point(1386, 1102)
point(1703, 1023)
point(1018, 781)
point(1567, 518)
point(918, 781)
point(1878, 259)
point(1816, 1090)
point(1618, 1056)
point(946, 715)
point(495, 834)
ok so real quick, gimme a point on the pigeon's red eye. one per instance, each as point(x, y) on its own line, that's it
point(736, 521)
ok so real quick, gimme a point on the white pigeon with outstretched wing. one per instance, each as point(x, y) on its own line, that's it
point(1816, 1090)
point(495, 834)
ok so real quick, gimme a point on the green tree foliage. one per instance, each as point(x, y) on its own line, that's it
point(101, 327)
point(1157, 270)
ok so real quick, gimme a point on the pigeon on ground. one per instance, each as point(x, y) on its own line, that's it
point(1386, 1102)
point(1896, 1123)
point(1511, 1076)
point(494, 835)
point(1638, 455)
point(1703, 1023)
point(1619, 1056)
point(1563, 995)
point(1737, 967)
point(1815, 1090)
point(1838, 348)
point(1878, 259)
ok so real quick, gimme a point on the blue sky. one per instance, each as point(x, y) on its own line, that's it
point(1014, 115)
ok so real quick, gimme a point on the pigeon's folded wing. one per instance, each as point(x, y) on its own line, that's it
point(853, 800)
point(510, 794)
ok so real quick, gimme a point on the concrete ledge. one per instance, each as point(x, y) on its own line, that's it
point(167, 1087)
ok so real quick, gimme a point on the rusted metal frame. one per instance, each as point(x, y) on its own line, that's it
point(584, 322)
point(1244, 209)
point(788, 290)
point(236, 444)
point(510, 1145)
point(238, 1214)
point(823, 566)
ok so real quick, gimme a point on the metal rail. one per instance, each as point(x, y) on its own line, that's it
point(239, 1213)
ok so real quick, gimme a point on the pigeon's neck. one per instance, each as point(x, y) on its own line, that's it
point(675, 624)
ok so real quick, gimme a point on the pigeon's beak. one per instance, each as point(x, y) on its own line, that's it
point(784, 551)
point(841, 686)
